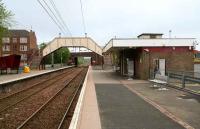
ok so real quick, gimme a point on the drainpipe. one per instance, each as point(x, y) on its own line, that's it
point(123, 63)
point(149, 65)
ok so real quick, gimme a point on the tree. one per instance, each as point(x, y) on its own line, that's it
point(6, 17)
point(42, 46)
point(48, 57)
point(62, 55)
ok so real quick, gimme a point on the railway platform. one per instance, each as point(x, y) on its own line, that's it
point(113, 102)
point(16, 77)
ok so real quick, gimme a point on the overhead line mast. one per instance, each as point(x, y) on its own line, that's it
point(83, 19)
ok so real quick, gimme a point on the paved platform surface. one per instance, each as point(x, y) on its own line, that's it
point(183, 105)
point(121, 106)
point(9, 77)
point(122, 109)
point(12, 77)
point(89, 115)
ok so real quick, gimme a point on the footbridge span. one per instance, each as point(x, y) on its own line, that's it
point(59, 42)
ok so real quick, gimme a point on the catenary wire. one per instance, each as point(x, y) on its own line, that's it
point(57, 24)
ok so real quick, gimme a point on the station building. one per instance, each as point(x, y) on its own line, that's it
point(140, 57)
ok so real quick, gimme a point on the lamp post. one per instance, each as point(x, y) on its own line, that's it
point(61, 58)
point(170, 33)
point(52, 60)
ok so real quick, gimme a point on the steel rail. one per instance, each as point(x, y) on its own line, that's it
point(47, 102)
point(35, 92)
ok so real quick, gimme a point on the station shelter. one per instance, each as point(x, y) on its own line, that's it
point(141, 57)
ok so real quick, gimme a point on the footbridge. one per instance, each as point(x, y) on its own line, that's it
point(59, 42)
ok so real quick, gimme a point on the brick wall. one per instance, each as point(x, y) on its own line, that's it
point(178, 59)
point(33, 40)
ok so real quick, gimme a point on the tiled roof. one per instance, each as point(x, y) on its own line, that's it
point(21, 33)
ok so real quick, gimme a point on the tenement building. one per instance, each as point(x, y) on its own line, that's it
point(140, 57)
point(20, 42)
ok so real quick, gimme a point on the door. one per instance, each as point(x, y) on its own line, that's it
point(197, 70)
point(162, 66)
point(130, 64)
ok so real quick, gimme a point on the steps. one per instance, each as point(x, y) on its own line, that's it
point(36, 60)
point(107, 59)
point(108, 62)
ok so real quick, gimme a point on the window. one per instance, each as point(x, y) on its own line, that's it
point(23, 57)
point(5, 54)
point(14, 40)
point(23, 48)
point(152, 36)
point(159, 66)
point(6, 47)
point(6, 40)
point(15, 47)
point(23, 40)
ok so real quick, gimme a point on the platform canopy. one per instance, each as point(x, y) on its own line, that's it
point(162, 42)
point(85, 42)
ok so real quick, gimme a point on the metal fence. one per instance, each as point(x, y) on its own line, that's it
point(189, 80)
point(185, 80)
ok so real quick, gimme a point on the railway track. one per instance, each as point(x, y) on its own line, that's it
point(67, 116)
point(11, 100)
point(52, 113)
point(19, 111)
point(13, 88)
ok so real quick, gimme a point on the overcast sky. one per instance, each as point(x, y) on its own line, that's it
point(108, 18)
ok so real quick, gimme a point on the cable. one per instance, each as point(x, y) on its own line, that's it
point(51, 16)
point(57, 18)
point(59, 15)
point(83, 19)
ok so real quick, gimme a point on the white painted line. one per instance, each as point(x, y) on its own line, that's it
point(76, 115)
point(34, 75)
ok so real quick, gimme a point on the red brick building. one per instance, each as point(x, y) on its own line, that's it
point(139, 57)
point(20, 42)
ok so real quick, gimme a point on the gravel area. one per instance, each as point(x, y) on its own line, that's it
point(68, 118)
point(17, 114)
